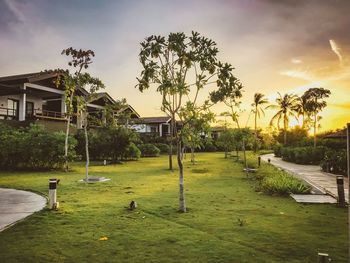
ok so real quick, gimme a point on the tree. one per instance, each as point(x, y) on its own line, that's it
point(302, 111)
point(80, 60)
point(198, 126)
point(258, 111)
point(74, 82)
point(169, 64)
point(314, 105)
point(286, 107)
point(227, 141)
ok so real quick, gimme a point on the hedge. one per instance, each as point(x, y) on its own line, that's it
point(33, 148)
point(149, 150)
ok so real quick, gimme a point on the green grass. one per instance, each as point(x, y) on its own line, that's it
point(228, 221)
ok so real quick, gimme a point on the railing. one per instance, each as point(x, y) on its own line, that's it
point(49, 114)
point(8, 113)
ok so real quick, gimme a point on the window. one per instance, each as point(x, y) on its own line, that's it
point(12, 108)
point(29, 109)
point(154, 129)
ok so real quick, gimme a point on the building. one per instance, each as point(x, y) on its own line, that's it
point(152, 125)
point(35, 97)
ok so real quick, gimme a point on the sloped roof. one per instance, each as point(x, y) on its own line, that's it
point(337, 135)
point(101, 95)
point(150, 120)
point(28, 77)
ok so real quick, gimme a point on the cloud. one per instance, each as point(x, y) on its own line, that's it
point(335, 48)
point(296, 61)
point(299, 74)
point(16, 10)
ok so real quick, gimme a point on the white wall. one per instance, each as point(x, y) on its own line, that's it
point(38, 103)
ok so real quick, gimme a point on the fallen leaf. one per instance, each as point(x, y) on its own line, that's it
point(103, 238)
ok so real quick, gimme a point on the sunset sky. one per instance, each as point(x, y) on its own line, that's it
point(275, 46)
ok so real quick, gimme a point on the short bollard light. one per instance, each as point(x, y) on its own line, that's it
point(323, 258)
point(340, 188)
point(259, 161)
point(269, 160)
point(53, 204)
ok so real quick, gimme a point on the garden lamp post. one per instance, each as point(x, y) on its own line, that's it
point(348, 166)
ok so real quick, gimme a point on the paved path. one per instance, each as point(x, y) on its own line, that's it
point(17, 204)
point(311, 174)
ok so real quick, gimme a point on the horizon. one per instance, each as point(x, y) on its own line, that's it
point(284, 47)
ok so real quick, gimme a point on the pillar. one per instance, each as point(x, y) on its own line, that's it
point(22, 104)
point(63, 106)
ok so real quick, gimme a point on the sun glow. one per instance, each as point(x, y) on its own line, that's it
point(295, 122)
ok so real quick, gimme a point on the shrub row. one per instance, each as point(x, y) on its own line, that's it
point(330, 158)
point(276, 182)
point(303, 155)
point(282, 184)
point(149, 150)
point(335, 161)
point(109, 143)
point(33, 148)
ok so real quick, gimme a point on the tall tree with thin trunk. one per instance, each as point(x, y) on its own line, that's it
point(170, 64)
point(315, 103)
point(287, 107)
point(259, 100)
point(80, 60)
point(75, 100)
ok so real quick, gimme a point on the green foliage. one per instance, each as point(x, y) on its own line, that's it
point(33, 148)
point(335, 161)
point(164, 148)
point(149, 150)
point(282, 184)
point(295, 137)
point(277, 150)
point(132, 152)
point(110, 143)
point(303, 155)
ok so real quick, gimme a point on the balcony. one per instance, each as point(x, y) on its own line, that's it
point(12, 114)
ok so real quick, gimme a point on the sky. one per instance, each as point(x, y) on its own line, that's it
point(284, 46)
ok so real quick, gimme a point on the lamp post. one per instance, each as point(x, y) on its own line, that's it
point(348, 165)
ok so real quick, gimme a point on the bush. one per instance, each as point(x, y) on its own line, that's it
point(132, 152)
point(208, 147)
point(110, 143)
point(277, 149)
point(335, 161)
point(283, 184)
point(149, 150)
point(33, 148)
point(302, 155)
point(164, 148)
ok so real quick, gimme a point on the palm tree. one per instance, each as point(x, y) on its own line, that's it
point(259, 100)
point(314, 104)
point(287, 107)
point(301, 109)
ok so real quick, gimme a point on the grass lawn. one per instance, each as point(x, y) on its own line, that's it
point(227, 221)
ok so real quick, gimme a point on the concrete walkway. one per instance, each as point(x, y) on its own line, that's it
point(311, 174)
point(17, 204)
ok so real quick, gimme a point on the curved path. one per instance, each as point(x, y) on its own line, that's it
point(311, 174)
point(17, 204)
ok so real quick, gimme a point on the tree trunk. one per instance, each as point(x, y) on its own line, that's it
point(192, 154)
point(244, 155)
point(66, 145)
point(315, 127)
point(226, 153)
point(86, 150)
point(67, 134)
point(256, 132)
point(172, 131)
point(182, 204)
